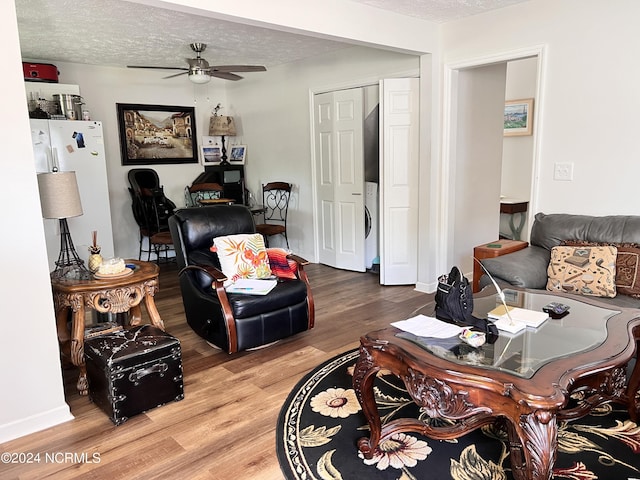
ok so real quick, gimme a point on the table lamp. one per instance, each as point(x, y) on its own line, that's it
point(60, 199)
point(222, 125)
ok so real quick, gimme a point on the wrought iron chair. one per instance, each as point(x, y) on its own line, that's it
point(275, 198)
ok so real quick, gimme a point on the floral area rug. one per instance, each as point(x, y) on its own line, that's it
point(321, 421)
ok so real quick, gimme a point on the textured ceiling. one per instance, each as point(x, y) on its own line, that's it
point(120, 33)
point(439, 11)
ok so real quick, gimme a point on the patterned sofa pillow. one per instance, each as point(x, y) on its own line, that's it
point(627, 265)
point(584, 270)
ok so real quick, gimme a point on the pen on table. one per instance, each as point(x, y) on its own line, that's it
point(243, 288)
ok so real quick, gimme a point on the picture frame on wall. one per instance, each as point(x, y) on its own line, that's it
point(518, 117)
point(211, 152)
point(156, 134)
point(238, 154)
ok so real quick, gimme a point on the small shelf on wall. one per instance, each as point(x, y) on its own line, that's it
point(46, 91)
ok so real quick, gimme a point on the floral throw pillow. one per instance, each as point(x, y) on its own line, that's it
point(583, 270)
point(242, 256)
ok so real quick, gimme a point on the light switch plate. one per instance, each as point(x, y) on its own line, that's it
point(563, 171)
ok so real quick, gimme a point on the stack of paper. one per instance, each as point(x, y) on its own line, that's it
point(507, 325)
point(517, 319)
point(424, 326)
point(251, 287)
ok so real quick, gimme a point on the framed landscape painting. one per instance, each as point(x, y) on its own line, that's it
point(156, 134)
point(518, 117)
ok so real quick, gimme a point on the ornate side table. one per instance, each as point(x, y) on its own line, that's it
point(116, 294)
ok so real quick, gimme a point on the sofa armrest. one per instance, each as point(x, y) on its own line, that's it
point(526, 268)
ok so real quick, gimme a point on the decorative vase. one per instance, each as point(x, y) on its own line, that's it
point(95, 259)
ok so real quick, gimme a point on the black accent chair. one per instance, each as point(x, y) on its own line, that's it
point(151, 210)
point(233, 322)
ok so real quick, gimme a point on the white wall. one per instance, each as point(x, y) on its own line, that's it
point(274, 111)
point(33, 397)
point(103, 87)
point(587, 113)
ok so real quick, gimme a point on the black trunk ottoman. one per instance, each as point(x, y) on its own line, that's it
point(133, 370)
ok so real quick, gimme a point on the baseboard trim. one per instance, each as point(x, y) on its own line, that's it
point(426, 287)
point(35, 423)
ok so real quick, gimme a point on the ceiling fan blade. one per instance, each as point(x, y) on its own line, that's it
point(239, 68)
point(158, 68)
point(225, 75)
point(175, 75)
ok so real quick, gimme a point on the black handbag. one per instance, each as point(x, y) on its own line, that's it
point(454, 303)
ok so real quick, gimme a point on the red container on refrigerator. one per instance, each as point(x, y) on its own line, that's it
point(40, 72)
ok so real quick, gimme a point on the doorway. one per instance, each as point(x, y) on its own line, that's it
point(475, 91)
point(342, 165)
point(517, 150)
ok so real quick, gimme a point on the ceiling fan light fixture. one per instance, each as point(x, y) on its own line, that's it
point(199, 76)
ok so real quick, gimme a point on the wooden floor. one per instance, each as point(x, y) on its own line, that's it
point(225, 426)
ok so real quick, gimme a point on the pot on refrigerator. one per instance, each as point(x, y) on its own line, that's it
point(70, 105)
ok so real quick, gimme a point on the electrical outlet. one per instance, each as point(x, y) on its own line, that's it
point(563, 171)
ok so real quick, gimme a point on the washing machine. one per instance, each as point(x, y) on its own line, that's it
point(371, 224)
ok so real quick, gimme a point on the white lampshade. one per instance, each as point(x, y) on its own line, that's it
point(59, 195)
point(222, 125)
point(199, 76)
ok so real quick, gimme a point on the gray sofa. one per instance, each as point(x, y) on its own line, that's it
point(527, 268)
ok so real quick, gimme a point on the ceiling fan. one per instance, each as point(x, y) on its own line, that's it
point(200, 71)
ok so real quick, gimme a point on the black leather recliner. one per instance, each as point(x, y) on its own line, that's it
point(233, 322)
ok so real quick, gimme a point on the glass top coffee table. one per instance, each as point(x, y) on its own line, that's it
point(523, 380)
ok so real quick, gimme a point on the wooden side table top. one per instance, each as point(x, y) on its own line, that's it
point(143, 271)
point(497, 249)
point(506, 246)
point(512, 207)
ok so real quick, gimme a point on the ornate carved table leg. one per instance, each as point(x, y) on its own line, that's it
point(150, 289)
point(533, 445)
point(363, 378)
point(77, 342)
point(64, 337)
point(135, 315)
point(150, 303)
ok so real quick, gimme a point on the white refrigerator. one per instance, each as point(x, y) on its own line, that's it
point(76, 146)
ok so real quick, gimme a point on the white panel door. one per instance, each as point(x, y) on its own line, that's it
point(399, 144)
point(338, 118)
point(323, 119)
